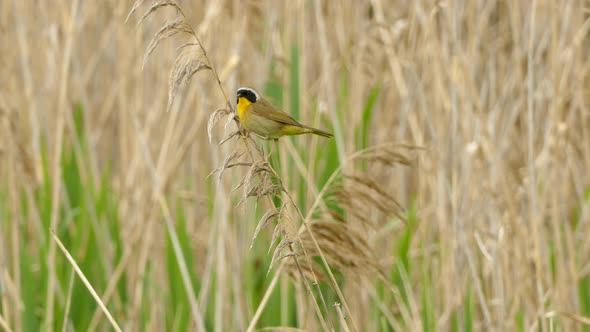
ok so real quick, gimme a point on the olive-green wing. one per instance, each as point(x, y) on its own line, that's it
point(265, 109)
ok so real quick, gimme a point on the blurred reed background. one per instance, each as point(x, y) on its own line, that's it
point(492, 233)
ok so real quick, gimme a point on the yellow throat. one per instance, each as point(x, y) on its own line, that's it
point(243, 104)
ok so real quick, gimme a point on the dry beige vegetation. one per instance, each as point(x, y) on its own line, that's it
point(473, 116)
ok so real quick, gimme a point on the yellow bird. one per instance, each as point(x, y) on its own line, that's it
point(265, 120)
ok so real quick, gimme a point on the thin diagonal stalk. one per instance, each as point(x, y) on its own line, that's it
point(86, 282)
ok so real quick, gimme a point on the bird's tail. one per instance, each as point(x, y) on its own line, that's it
point(319, 132)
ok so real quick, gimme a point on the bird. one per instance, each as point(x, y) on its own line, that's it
point(261, 117)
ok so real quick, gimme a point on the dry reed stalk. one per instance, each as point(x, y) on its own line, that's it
point(56, 162)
